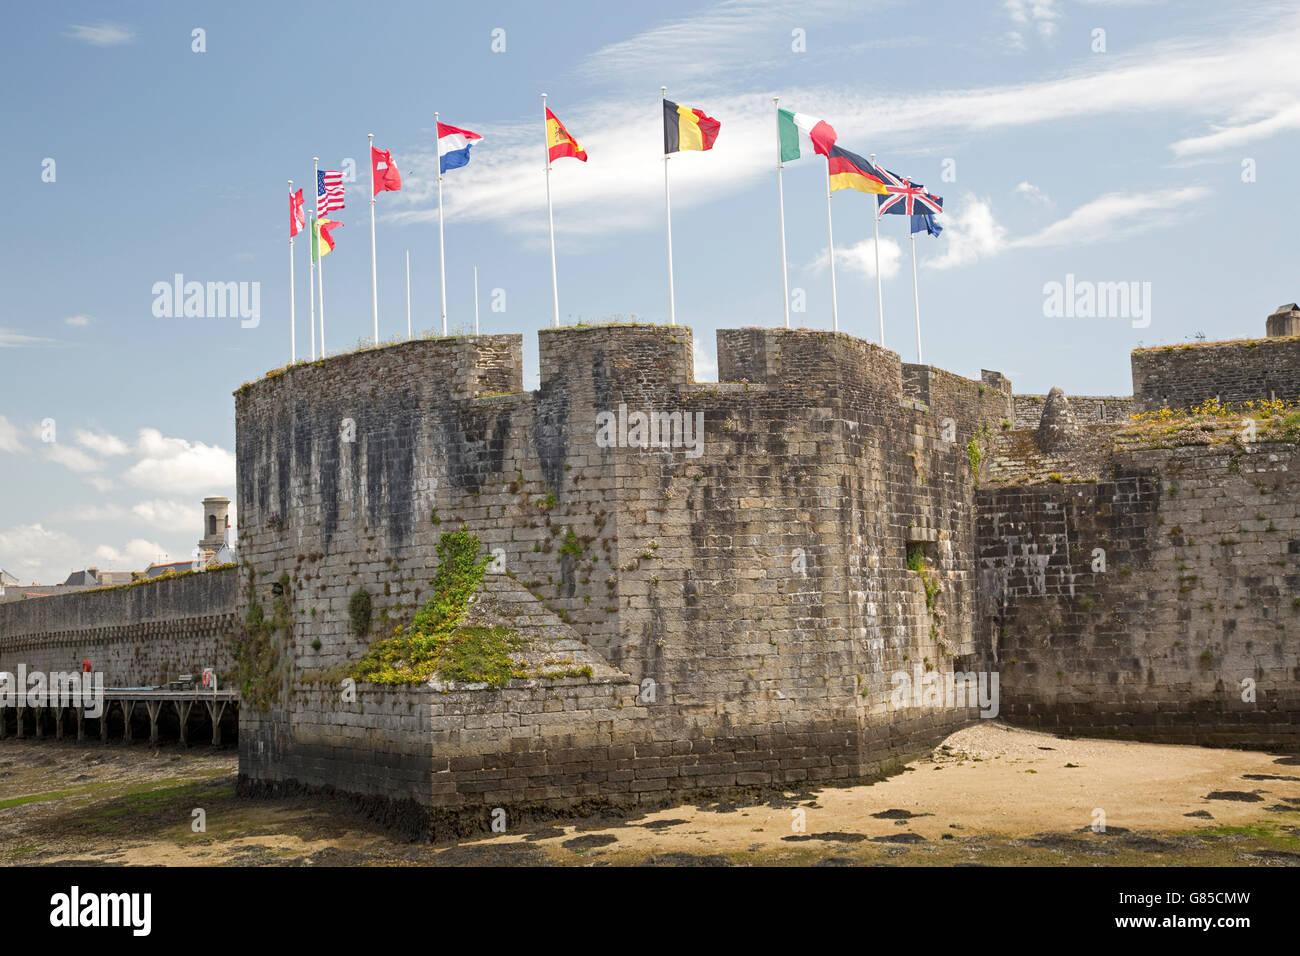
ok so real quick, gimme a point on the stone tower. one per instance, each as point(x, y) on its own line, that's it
point(216, 520)
point(1284, 322)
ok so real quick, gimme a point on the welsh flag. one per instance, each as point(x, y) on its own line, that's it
point(794, 126)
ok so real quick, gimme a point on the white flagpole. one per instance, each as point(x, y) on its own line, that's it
point(880, 296)
point(550, 217)
point(476, 301)
point(311, 282)
point(320, 264)
point(442, 249)
point(374, 275)
point(830, 245)
point(780, 196)
point(293, 345)
point(668, 214)
point(408, 294)
point(916, 299)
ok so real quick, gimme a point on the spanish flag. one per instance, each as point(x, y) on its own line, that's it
point(851, 171)
point(558, 140)
point(685, 128)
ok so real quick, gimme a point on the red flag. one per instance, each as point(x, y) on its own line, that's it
point(297, 215)
point(385, 170)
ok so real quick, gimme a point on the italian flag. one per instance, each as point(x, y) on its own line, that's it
point(791, 125)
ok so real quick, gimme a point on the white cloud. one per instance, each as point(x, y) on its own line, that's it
point(970, 232)
point(1116, 216)
point(102, 33)
point(9, 339)
point(170, 515)
point(77, 320)
point(706, 365)
point(10, 437)
point(723, 40)
point(71, 458)
point(861, 258)
point(1032, 193)
point(101, 443)
point(1235, 137)
point(1038, 16)
point(136, 555)
point(34, 553)
point(92, 512)
point(100, 483)
point(176, 465)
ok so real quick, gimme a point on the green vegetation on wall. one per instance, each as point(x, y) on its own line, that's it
point(257, 652)
point(436, 644)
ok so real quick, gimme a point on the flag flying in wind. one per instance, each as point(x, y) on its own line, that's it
point(386, 175)
point(851, 171)
point(818, 132)
point(685, 128)
point(925, 222)
point(906, 198)
point(297, 215)
point(322, 243)
point(454, 145)
point(558, 140)
point(329, 191)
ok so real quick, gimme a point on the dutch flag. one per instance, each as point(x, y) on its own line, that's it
point(453, 146)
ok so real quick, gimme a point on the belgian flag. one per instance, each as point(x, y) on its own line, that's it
point(851, 171)
point(685, 128)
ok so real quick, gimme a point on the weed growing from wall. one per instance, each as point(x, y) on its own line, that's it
point(436, 644)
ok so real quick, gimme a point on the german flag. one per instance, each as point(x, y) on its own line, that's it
point(851, 171)
point(558, 140)
point(685, 128)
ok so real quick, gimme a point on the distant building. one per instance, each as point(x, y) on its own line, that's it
point(214, 548)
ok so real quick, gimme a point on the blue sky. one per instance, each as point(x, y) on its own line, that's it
point(1122, 165)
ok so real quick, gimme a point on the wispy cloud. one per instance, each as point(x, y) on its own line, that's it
point(77, 320)
point(10, 339)
point(102, 33)
point(11, 439)
point(101, 443)
point(972, 230)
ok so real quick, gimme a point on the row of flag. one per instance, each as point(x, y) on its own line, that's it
point(685, 128)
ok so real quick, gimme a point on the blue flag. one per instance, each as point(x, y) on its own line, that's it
point(925, 222)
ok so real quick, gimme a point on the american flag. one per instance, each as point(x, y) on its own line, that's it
point(329, 191)
point(906, 197)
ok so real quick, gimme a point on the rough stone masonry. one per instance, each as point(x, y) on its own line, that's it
point(734, 614)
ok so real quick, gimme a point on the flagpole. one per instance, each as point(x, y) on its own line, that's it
point(916, 300)
point(668, 214)
point(293, 345)
point(476, 301)
point(550, 217)
point(408, 294)
point(880, 296)
point(830, 245)
point(320, 260)
point(442, 249)
point(780, 196)
point(311, 283)
point(374, 274)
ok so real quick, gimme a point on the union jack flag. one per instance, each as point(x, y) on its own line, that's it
point(906, 198)
point(329, 191)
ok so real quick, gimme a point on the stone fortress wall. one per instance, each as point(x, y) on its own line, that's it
point(741, 593)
